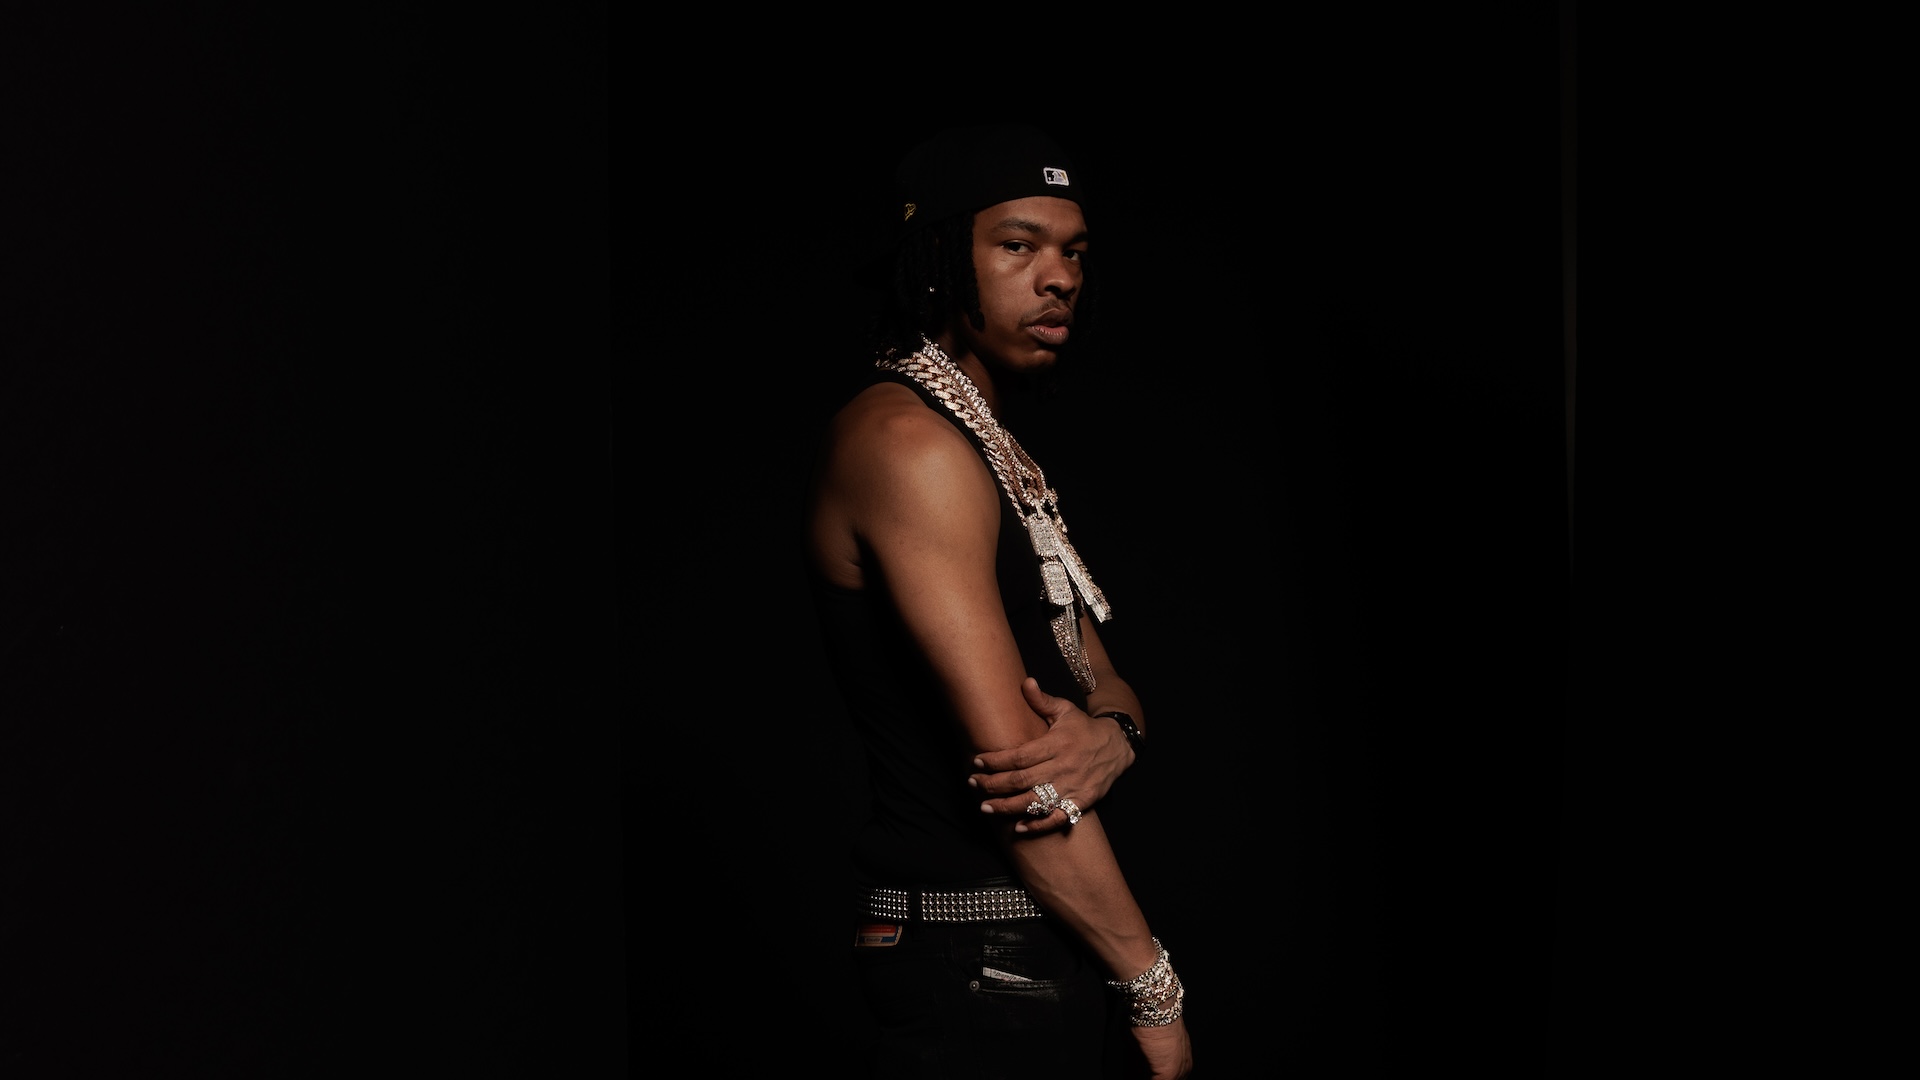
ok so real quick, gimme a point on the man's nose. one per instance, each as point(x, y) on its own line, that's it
point(1059, 275)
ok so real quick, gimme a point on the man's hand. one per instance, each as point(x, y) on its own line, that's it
point(1080, 755)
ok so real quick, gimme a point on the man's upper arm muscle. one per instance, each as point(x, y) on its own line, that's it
point(929, 512)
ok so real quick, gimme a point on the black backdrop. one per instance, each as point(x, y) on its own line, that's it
point(375, 697)
point(1318, 463)
point(310, 758)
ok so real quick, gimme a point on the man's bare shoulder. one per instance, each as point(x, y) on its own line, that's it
point(901, 483)
point(888, 429)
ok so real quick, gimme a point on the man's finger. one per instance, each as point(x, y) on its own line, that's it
point(1041, 824)
point(1048, 706)
point(1016, 804)
point(1025, 756)
point(1001, 784)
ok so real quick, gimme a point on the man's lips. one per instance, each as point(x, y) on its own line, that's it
point(1050, 326)
point(1048, 334)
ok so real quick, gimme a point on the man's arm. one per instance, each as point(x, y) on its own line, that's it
point(927, 509)
point(910, 503)
point(1082, 754)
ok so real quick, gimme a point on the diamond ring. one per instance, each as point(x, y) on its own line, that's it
point(1044, 800)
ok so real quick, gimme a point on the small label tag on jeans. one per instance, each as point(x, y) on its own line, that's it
point(878, 933)
point(1003, 976)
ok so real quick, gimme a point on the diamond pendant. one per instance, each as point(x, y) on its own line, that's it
point(1053, 574)
point(1046, 539)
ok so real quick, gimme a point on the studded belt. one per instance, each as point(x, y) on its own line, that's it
point(982, 902)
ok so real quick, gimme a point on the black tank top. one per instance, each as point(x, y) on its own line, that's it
point(924, 824)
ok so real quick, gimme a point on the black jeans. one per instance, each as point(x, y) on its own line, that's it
point(1017, 999)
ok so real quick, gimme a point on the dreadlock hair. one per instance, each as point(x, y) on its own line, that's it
point(932, 268)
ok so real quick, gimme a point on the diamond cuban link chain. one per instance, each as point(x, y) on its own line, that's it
point(1061, 569)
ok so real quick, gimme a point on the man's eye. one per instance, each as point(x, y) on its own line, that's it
point(1018, 246)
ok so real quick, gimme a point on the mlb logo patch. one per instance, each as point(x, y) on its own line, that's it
point(1055, 176)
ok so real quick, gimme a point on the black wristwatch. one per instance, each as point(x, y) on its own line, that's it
point(1131, 729)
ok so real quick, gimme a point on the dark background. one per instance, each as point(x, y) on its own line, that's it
point(1319, 463)
point(342, 660)
point(308, 746)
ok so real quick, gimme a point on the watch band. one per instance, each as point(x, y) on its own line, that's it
point(1129, 728)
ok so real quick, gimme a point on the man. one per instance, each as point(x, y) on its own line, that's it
point(996, 935)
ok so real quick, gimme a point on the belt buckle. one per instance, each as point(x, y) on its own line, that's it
point(869, 935)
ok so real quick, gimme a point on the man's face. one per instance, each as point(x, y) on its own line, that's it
point(1029, 257)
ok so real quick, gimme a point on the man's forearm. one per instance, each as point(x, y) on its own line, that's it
point(1074, 876)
